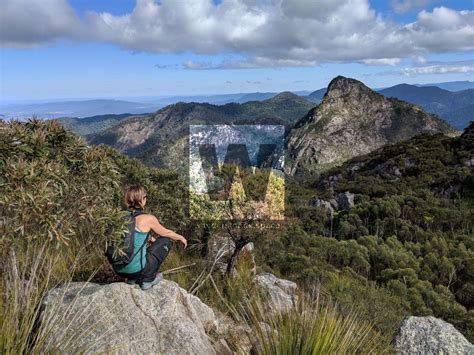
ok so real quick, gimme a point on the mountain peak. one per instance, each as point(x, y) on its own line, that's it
point(285, 95)
point(353, 120)
point(342, 86)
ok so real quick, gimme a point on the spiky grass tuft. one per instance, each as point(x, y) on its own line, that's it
point(312, 326)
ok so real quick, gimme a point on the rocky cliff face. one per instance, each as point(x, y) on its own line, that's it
point(353, 120)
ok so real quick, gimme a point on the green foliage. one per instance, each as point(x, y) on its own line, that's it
point(410, 230)
point(340, 267)
point(55, 187)
point(406, 247)
point(63, 198)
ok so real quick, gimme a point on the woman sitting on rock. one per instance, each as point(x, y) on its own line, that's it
point(143, 268)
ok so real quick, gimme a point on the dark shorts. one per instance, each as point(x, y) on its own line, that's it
point(156, 253)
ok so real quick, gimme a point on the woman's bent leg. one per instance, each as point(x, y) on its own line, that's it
point(155, 255)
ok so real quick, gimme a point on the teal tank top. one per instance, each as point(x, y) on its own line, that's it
point(139, 260)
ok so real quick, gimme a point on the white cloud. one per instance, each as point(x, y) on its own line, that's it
point(29, 23)
point(191, 64)
point(382, 61)
point(271, 33)
point(402, 6)
point(440, 68)
point(466, 66)
point(249, 63)
point(419, 59)
point(443, 30)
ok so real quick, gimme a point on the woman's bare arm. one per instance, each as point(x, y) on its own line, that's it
point(165, 232)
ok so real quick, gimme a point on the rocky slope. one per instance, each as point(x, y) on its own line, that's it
point(430, 335)
point(353, 120)
point(439, 163)
point(161, 139)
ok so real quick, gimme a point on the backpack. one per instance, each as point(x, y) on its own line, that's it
point(119, 257)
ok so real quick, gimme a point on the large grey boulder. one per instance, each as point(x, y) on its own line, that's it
point(430, 335)
point(122, 319)
point(281, 292)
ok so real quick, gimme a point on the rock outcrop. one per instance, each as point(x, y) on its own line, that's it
point(353, 120)
point(123, 319)
point(281, 293)
point(345, 201)
point(221, 248)
point(430, 335)
point(318, 202)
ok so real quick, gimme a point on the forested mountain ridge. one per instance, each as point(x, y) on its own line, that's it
point(353, 120)
point(402, 217)
point(93, 124)
point(160, 139)
point(455, 107)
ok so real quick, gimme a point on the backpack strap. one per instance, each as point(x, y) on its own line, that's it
point(136, 213)
point(140, 249)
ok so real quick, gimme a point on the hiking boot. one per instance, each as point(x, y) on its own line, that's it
point(148, 285)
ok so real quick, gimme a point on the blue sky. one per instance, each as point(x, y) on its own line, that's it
point(124, 48)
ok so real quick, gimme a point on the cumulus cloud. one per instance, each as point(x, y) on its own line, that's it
point(271, 33)
point(402, 6)
point(443, 30)
point(29, 23)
